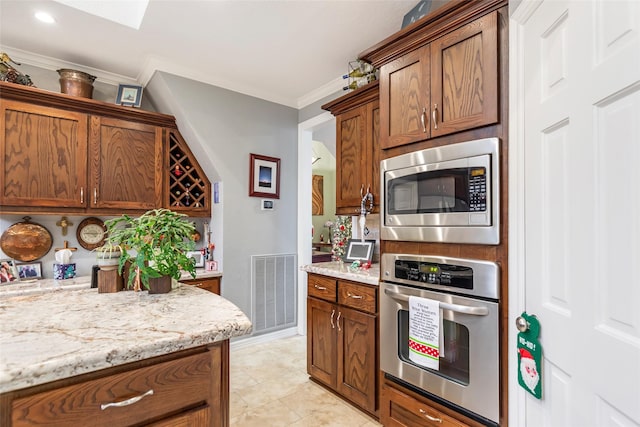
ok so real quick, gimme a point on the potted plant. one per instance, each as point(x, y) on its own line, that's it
point(155, 246)
point(108, 256)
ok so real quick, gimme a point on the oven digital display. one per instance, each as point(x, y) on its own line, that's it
point(455, 276)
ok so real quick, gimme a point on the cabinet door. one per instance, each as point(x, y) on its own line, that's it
point(321, 341)
point(404, 99)
point(126, 164)
point(200, 417)
point(357, 357)
point(464, 77)
point(44, 156)
point(351, 156)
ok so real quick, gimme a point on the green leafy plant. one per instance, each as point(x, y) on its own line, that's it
point(155, 244)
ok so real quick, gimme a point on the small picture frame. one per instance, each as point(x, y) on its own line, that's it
point(264, 176)
point(30, 270)
point(198, 256)
point(358, 250)
point(129, 95)
point(8, 272)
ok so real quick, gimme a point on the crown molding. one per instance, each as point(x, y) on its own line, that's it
point(53, 64)
point(153, 64)
point(323, 91)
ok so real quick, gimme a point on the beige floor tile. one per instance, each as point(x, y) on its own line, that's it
point(270, 387)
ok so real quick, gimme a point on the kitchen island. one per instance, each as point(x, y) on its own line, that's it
point(66, 352)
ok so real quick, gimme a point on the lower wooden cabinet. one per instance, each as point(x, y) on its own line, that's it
point(342, 350)
point(211, 284)
point(190, 388)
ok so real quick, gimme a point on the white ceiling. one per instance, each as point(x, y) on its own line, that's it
point(290, 52)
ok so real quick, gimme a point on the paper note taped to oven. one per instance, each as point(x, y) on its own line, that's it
point(424, 332)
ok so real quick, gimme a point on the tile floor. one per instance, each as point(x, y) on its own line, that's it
point(270, 387)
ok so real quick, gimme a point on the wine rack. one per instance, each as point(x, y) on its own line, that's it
point(189, 188)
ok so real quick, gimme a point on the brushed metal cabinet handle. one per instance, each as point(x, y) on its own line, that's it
point(434, 115)
point(332, 313)
point(423, 118)
point(82, 195)
point(350, 295)
point(321, 288)
point(338, 320)
point(127, 402)
point(95, 196)
point(429, 417)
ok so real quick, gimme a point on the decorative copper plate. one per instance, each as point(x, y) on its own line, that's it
point(26, 241)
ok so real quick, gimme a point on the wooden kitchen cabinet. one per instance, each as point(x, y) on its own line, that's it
point(342, 338)
point(211, 284)
point(445, 86)
point(44, 152)
point(126, 164)
point(75, 155)
point(357, 147)
point(188, 388)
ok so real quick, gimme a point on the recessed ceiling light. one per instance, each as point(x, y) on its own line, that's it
point(45, 17)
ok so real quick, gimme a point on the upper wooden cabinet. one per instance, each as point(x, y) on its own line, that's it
point(357, 148)
point(125, 164)
point(64, 154)
point(447, 84)
point(44, 152)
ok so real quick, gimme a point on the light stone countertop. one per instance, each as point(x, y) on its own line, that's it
point(342, 270)
point(73, 329)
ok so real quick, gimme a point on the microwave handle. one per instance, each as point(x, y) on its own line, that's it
point(464, 309)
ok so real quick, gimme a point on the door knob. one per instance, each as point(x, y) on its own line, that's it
point(521, 324)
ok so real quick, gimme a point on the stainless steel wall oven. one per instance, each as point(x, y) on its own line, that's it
point(468, 375)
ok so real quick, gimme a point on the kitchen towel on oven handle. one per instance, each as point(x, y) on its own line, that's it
point(425, 324)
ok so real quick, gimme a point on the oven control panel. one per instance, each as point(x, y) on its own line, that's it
point(455, 276)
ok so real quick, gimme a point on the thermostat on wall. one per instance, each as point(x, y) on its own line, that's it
point(267, 205)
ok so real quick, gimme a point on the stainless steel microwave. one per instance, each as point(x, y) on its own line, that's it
point(444, 194)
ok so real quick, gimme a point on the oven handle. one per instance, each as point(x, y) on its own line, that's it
point(464, 309)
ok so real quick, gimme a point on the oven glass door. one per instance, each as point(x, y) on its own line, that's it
point(454, 355)
point(468, 374)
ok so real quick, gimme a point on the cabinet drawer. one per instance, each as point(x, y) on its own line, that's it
point(357, 296)
point(209, 284)
point(322, 287)
point(403, 410)
point(84, 403)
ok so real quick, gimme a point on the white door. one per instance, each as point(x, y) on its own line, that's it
point(576, 195)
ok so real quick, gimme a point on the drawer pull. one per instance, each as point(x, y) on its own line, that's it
point(321, 288)
point(429, 417)
point(127, 402)
point(350, 295)
point(199, 285)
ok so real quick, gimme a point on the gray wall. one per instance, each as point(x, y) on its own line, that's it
point(222, 128)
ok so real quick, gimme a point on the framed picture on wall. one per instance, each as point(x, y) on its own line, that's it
point(264, 176)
